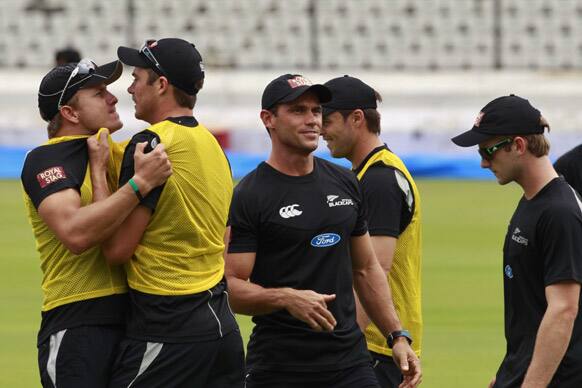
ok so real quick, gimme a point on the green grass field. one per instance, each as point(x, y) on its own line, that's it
point(464, 225)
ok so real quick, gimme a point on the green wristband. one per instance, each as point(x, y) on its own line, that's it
point(135, 189)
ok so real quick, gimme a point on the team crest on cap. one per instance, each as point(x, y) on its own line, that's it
point(478, 119)
point(298, 80)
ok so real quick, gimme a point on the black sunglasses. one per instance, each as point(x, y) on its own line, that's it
point(487, 153)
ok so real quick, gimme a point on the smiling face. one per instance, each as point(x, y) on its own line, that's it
point(295, 125)
point(95, 107)
point(339, 135)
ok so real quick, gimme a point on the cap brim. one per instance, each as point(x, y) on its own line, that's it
point(322, 92)
point(470, 138)
point(105, 74)
point(131, 57)
point(326, 110)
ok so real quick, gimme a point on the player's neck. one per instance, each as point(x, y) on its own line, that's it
point(536, 176)
point(168, 108)
point(291, 164)
point(363, 147)
point(72, 130)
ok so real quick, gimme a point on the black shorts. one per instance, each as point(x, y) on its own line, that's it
point(212, 364)
point(387, 372)
point(360, 376)
point(79, 357)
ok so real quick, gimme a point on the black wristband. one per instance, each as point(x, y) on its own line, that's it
point(398, 333)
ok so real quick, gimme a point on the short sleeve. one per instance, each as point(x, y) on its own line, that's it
point(243, 220)
point(389, 200)
point(54, 167)
point(128, 168)
point(560, 230)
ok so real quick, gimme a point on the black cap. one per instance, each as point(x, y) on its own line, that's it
point(178, 60)
point(507, 115)
point(289, 87)
point(53, 84)
point(349, 93)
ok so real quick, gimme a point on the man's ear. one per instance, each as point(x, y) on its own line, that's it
point(163, 85)
point(357, 118)
point(520, 144)
point(267, 118)
point(70, 114)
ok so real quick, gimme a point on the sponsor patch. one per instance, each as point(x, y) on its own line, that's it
point(298, 81)
point(290, 211)
point(478, 119)
point(154, 143)
point(519, 239)
point(50, 175)
point(508, 271)
point(332, 200)
point(325, 240)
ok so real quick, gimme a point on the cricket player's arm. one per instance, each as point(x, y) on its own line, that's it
point(373, 291)
point(82, 227)
point(248, 298)
point(389, 203)
point(121, 245)
point(384, 248)
point(554, 333)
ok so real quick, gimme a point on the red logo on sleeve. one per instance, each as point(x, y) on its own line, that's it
point(51, 175)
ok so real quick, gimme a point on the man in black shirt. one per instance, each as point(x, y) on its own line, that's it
point(542, 261)
point(299, 234)
point(569, 166)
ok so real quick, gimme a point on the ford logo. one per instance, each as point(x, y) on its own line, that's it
point(509, 271)
point(325, 240)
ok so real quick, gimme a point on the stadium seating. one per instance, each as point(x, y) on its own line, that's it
point(326, 34)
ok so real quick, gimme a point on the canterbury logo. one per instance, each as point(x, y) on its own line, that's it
point(290, 211)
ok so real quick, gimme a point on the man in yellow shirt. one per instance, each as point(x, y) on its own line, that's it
point(180, 330)
point(351, 127)
point(84, 300)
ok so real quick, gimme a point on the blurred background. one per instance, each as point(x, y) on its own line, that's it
point(436, 64)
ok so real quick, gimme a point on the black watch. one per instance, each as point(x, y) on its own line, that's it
point(398, 333)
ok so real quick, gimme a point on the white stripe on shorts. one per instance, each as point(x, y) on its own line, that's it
point(151, 352)
point(51, 365)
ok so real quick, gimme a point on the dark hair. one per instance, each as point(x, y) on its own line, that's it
point(67, 55)
point(182, 98)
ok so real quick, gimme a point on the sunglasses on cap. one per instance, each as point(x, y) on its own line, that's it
point(487, 153)
point(84, 67)
point(147, 52)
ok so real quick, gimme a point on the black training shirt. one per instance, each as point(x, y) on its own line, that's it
point(300, 229)
point(543, 246)
point(393, 200)
point(570, 166)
